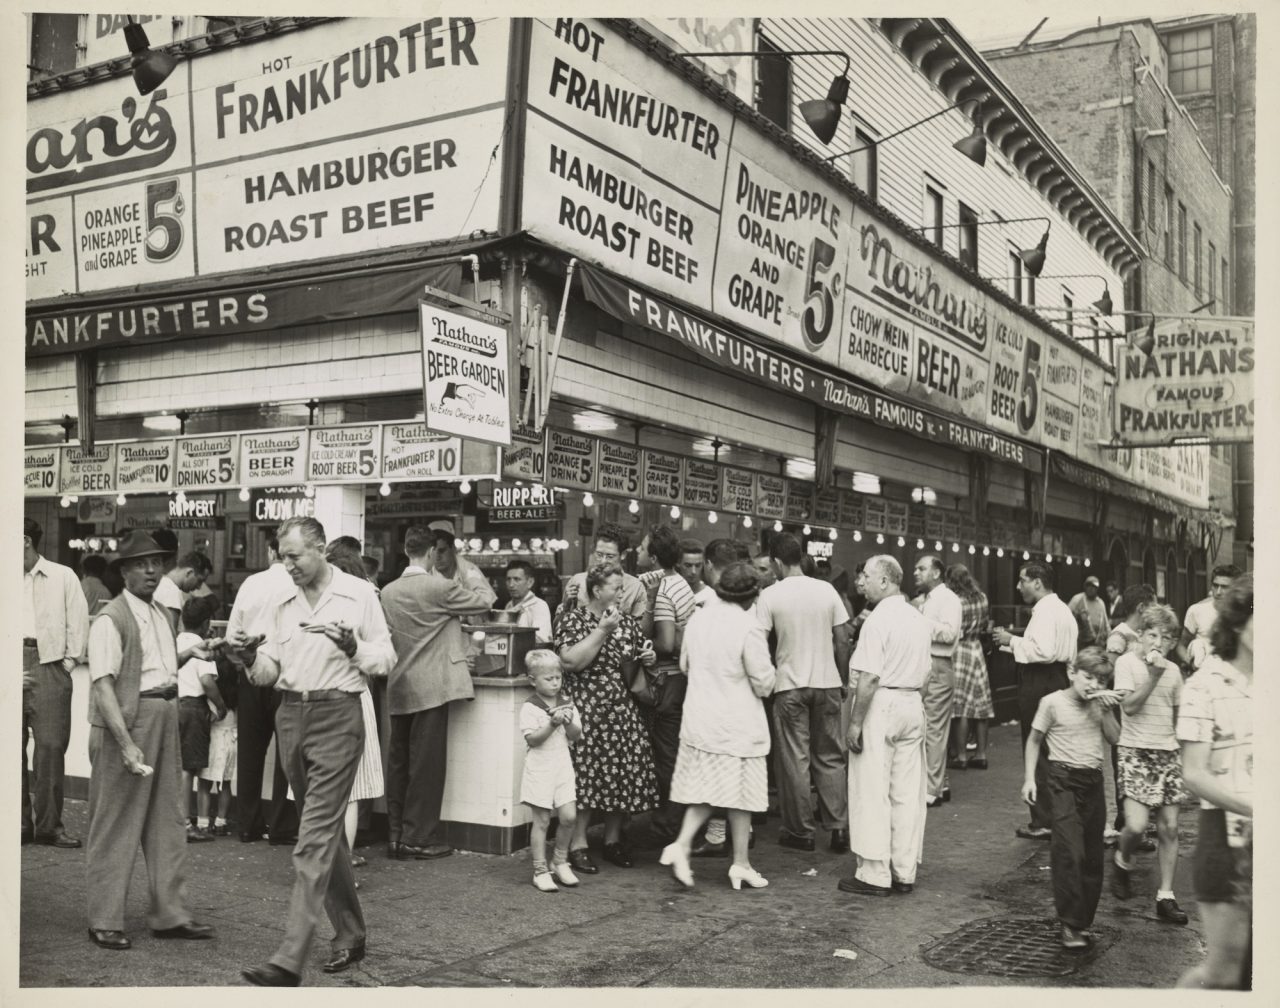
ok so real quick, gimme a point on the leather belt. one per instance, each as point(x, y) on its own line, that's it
point(167, 693)
point(312, 696)
point(905, 689)
point(30, 642)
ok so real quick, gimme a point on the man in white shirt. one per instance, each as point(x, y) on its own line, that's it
point(1193, 647)
point(55, 623)
point(886, 736)
point(812, 662)
point(534, 612)
point(1042, 654)
point(633, 597)
point(1091, 614)
point(183, 578)
point(692, 562)
point(325, 634)
point(941, 607)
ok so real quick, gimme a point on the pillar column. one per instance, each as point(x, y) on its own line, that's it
point(340, 509)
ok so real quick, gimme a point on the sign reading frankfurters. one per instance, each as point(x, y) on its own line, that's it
point(145, 466)
point(1197, 382)
point(415, 451)
point(464, 375)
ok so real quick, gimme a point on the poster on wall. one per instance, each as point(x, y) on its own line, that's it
point(896, 520)
point(771, 496)
point(876, 519)
point(147, 466)
point(738, 490)
point(465, 375)
point(1060, 420)
point(619, 469)
point(88, 472)
point(701, 484)
point(344, 454)
point(526, 457)
point(413, 451)
point(273, 457)
point(662, 477)
point(799, 508)
point(209, 461)
point(853, 512)
point(826, 507)
point(41, 470)
point(571, 460)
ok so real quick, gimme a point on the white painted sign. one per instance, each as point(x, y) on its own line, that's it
point(347, 454)
point(88, 472)
point(414, 451)
point(270, 458)
point(465, 375)
point(41, 470)
point(145, 466)
point(207, 461)
point(571, 460)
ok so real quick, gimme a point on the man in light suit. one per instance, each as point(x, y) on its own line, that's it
point(423, 607)
point(55, 625)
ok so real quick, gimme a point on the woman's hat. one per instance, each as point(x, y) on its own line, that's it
point(738, 582)
point(137, 544)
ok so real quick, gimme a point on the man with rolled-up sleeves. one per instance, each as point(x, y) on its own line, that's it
point(324, 634)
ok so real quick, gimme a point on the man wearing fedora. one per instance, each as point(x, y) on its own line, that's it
point(55, 621)
point(135, 776)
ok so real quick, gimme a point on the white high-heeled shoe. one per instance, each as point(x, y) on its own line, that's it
point(673, 855)
point(748, 875)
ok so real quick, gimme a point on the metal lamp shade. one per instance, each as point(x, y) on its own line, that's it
point(1033, 259)
point(974, 146)
point(1103, 304)
point(824, 115)
point(150, 67)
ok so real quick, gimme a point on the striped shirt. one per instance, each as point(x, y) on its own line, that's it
point(1217, 707)
point(674, 604)
point(1072, 731)
point(1151, 726)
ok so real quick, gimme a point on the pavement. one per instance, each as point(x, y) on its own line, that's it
point(474, 920)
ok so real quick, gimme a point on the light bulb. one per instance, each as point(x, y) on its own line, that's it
point(834, 535)
point(121, 499)
point(494, 543)
point(385, 489)
point(244, 494)
point(955, 547)
point(464, 487)
point(919, 544)
point(1086, 561)
point(777, 526)
point(746, 521)
point(857, 536)
point(75, 544)
point(937, 546)
point(515, 544)
point(808, 530)
point(1048, 558)
point(634, 506)
point(536, 543)
point(1026, 555)
point(95, 544)
point(879, 538)
point(972, 549)
point(308, 491)
point(111, 545)
point(986, 551)
point(65, 502)
point(901, 542)
point(458, 544)
point(712, 517)
point(588, 500)
point(999, 551)
point(476, 544)
point(75, 499)
point(182, 497)
point(675, 511)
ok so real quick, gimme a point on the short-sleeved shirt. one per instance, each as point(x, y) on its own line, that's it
point(1200, 618)
point(189, 674)
point(534, 718)
point(1074, 735)
point(1217, 707)
point(803, 611)
point(894, 644)
point(1123, 639)
point(674, 603)
point(1151, 726)
point(1092, 616)
point(168, 594)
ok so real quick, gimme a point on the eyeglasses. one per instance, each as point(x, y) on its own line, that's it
point(605, 555)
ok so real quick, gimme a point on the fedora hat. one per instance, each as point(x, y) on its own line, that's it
point(738, 582)
point(137, 544)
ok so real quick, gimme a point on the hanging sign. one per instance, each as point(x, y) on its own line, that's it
point(40, 470)
point(526, 457)
point(738, 490)
point(771, 496)
point(826, 507)
point(525, 503)
point(895, 518)
point(916, 521)
point(273, 457)
point(951, 525)
point(799, 507)
point(571, 460)
point(701, 484)
point(876, 514)
point(619, 469)
point(1061, 421)
point(87, 472)
point(853, 512)
point(413, 451)
point(344, 454)
point(662, 474)
point(275, 504)
point(206, 461)
point(934, 526)
point(464, 375)
point(146, 466)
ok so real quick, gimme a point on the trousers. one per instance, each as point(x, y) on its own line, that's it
point(417, 758)
point(810, 753)
point(1078, 803)
point(46, 715)
point(255, 724)
point(127, 811)
point(320, 745)
point(1034, 683)
point(663, 722)
point(939, 693)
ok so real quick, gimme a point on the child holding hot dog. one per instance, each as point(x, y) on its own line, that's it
point(1077, 723)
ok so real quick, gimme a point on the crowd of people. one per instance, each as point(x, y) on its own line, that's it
point(704, 689)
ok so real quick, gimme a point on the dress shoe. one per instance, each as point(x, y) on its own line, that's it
point(270, 975)
point(946, 794)
point(283, 841)
point(853, 884)
point(979, 763)
point(1168, 910)
point(393, 849)
point(411, 852)
point(957, 764)
point(840, 841)
point(750, 876)
point(1121, 882)
point(903, 887)
point(110, 939)
point(190, 931)
point(58, 840)
point(223, 830)
point(358, 861)
point(616, 854)
point(795, 842)
point(343, 959)
point(197, 835)
point(250, 837)
point(1034, 832)
point(580, 861)
point(673, 855)
point(1073, 940)
point(709, 849)
point(1146, 844)
point(934, 803)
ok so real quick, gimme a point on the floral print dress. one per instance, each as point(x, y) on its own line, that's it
point(612, 761)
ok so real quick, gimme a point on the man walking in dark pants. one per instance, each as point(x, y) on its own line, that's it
point(1042, 655)
point(325, 634)
point(256, 717)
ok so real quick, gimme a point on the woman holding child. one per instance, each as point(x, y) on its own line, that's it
point(613, 761)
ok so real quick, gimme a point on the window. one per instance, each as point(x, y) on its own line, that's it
point(1068, 302)
point(773, 85)
point(1151, 195)
point(1182, 243)
point(1015, 276)
point(1191, 61)
point(865, 168)
point(934, 206)
point(1168, 225)
point(1225, 308)
point(968, 237)
point(1195, 248)
point(1213, 287)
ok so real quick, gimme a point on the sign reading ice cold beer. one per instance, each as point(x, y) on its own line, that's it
point(89, 472)
point(464, 374)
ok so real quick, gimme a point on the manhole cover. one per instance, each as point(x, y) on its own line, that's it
point(1012, 947)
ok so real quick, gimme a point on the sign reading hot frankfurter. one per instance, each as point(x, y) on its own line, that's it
point(464, 375)
point(415, 451)
point(145, 466)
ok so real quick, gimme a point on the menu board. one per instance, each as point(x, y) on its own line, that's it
point(951, 525)
point(207, 461)
point(414, 451)
point(934, 526)
point(619, 468)
point(799, 508)
point(771, 496)
point(146, 466)
point(876, 514)
point(701, 484)
point(662, 477)
point(526, 457)
point(41, 470)
point(738, 490)
point(273, 457)
point(88, 472)
point(345, 454)
point(571, 460)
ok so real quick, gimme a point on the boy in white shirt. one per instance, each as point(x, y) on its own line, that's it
point(1150, 765)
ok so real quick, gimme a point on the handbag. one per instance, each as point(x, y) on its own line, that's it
point(641, 683)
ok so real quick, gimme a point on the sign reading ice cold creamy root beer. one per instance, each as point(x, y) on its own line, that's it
point(273, 457)
point(344, 454)
point(414, 451)
point(701, 484)
point(41, 470)
point(464, 376)
point(146, 466)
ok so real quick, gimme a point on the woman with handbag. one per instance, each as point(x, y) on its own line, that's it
point(724, 736)
point(613, 761)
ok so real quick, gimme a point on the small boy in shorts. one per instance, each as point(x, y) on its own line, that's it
point(197, 692)
point(1150, 763)
point(549, 722)
point(1077, 723)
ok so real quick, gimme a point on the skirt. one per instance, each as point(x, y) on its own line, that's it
point(222, 750)
point(369, 783)
point(730, 782)
point(972, 698)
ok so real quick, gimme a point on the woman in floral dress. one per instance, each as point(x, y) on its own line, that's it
point(612, 761)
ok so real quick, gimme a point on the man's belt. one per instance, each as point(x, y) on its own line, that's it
point(30, 642)
point(1051, 666)
point(312, 696)
point(905, 689)
point(164, 693)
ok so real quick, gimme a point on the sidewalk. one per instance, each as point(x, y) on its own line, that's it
point(474, 920)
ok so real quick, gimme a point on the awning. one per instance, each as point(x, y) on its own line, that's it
point(752, 360)
point(1095, 479)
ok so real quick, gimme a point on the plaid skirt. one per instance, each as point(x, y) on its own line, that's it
point(972, 697)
